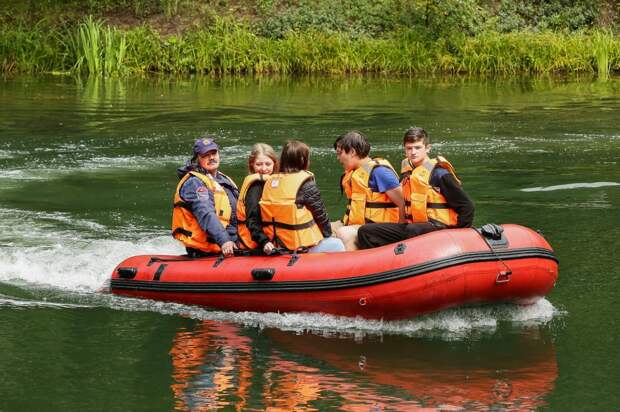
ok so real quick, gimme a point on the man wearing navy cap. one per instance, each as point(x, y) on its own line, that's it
point(205, 202)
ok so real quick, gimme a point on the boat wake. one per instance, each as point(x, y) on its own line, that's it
point(54, 250)
point(451, 324)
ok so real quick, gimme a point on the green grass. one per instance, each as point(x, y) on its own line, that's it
point(95, 49)
point(603, 46)
point(229, 47)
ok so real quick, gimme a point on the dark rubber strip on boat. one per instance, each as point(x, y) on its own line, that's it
point(331, 284)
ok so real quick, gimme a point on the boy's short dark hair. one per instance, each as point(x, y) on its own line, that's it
point(353, 140)
point(416, 134)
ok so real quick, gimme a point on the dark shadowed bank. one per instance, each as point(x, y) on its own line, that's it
point(119, 37)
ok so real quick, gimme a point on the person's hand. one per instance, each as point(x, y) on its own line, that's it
point(228, 248)
point(268, 248)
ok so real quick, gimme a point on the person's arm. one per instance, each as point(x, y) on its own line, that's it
point(233, 194)
point(396, 196)
point(384, 180)
point(310, 196)
point(253, 216)
point(200, 201)
point(458, 200)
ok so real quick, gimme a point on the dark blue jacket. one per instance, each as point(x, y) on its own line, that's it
point(202, 204)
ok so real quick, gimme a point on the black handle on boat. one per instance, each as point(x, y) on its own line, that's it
point(494, 232)
point(127, 272)
point(263, 273)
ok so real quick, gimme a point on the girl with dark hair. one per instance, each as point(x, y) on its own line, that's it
point(293, 213)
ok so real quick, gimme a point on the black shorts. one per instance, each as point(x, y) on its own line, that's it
point(379, 234)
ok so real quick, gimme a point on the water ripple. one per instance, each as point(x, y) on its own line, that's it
point(569, 186)
point(29, 304)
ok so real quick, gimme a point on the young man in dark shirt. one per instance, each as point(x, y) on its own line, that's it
point(434, 197)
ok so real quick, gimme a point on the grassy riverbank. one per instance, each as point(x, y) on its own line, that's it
point(225, 42)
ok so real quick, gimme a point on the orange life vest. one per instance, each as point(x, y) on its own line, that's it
point(364, 205)
point(285, 223)
point(245, 237)
point(422, 202)
point(185, 226)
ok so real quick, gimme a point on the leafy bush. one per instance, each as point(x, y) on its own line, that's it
point(543, 15)
point(376, 18)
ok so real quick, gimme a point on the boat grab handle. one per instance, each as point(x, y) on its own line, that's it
point(127, 272)
point(263, 273)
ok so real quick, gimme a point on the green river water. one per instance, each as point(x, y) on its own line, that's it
point(87, 173)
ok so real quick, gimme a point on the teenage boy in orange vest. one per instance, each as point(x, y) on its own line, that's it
point(434, 197)
point(371, 185)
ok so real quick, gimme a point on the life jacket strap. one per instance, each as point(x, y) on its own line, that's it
point(380, 205)
point(287, 226)
point(182, 204)
point(438, 224)
point(180, 230)
point(184, 232)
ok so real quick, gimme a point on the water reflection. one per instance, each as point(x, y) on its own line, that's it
point(211, 365)
point(223, 365)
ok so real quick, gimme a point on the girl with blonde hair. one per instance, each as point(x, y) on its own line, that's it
point(262, 162)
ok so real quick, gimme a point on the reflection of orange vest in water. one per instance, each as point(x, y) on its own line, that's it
point(366, 206)
point(422, 202)
point(285, 222)
point(185, 226)
point(245, 237)
point(291, 386)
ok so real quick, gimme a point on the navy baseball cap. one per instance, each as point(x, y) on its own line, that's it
point(204, 145)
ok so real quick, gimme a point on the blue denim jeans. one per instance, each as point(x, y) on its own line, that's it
point(329, 244)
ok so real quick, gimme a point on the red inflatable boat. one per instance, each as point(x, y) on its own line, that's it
point(442, 269)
